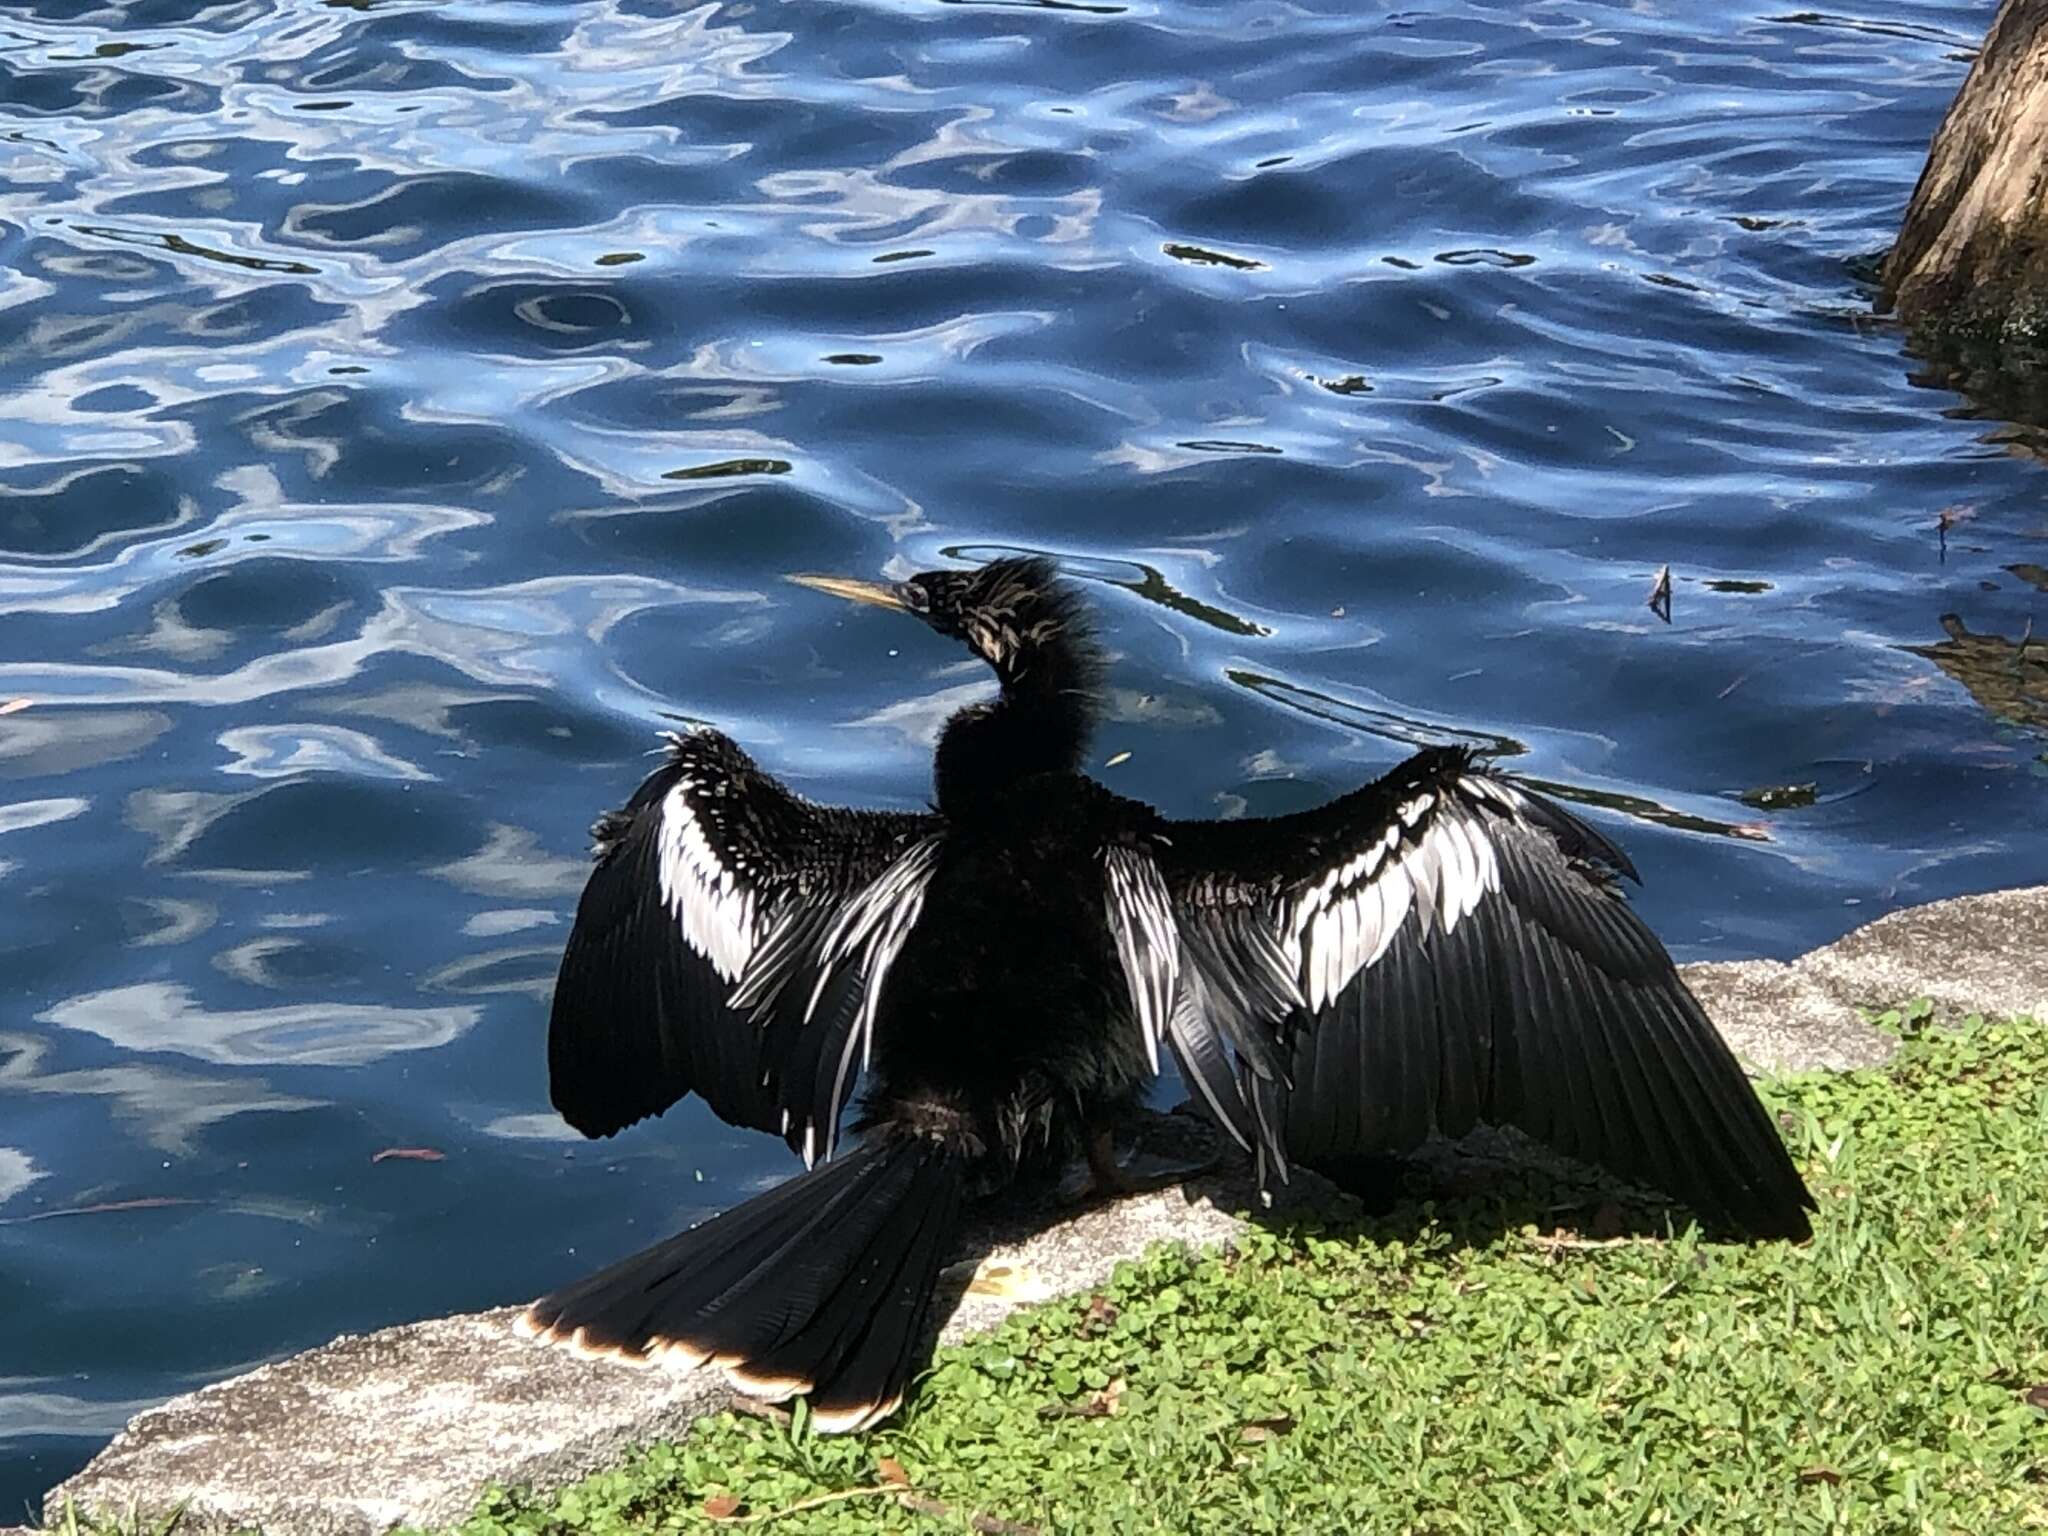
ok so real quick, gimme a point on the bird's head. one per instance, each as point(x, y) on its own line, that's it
point(1023, 620)
point(1016, 614)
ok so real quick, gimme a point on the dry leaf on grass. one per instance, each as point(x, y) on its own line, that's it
point(1267, 1429)
point(1012, 1282)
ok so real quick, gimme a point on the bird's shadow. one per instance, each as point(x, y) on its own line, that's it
point(1473, 1192)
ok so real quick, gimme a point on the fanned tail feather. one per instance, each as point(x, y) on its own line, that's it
point(818, 1287)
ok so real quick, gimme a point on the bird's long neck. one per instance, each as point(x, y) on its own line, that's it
point(1040, 723)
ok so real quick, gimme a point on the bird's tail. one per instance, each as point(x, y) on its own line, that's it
point(817, 1287)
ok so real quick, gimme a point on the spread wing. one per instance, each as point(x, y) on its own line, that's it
point(732, 942)
point(1439, 949)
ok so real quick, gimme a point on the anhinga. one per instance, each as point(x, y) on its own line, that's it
point(1438, 949)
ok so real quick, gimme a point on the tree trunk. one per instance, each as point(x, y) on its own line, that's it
point(1969, 274)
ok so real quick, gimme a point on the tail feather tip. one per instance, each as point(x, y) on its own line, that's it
point(536, 1325)
point(674, 1355)
point(769, 1389)
point(852, 1418)
point(580, 1343)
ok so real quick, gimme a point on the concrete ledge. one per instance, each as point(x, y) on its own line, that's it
point(1987, 954)
point(408, 1425)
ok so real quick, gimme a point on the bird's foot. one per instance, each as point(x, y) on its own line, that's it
point(1145, 1172)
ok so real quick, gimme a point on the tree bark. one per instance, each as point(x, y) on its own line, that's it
point(1969, 274)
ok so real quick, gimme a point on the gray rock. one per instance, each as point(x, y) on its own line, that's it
point(410, 1424)
point(1987, 954)
point(1780, 1018)
point(406, 1425)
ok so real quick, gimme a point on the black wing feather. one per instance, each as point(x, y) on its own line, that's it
point(701, 938)
point(1205, 1063)
point(1460, 953)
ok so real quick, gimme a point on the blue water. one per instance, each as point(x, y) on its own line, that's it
point(408, 406)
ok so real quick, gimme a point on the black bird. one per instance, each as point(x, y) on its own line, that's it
point(1438, 949)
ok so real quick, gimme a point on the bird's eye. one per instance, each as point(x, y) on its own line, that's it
point(915, 598)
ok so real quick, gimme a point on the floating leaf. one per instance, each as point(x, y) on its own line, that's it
point(1779, 797)
point(728, 467)
point(1485, 256)
point(1225, 445)
point(1272, 1428)
point(410, 1155)
point(1201, 256)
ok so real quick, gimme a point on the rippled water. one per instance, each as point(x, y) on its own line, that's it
point(405, 407)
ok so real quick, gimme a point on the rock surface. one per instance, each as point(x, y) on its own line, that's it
point(1969, 272)
point(408, 1425)
point(1983, 953)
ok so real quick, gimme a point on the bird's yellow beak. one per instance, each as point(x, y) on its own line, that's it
point(880, 594)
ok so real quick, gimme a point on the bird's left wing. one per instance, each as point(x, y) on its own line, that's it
point(733, 942)
point(1439, 949)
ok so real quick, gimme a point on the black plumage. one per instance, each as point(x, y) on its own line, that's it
point(1437, 950)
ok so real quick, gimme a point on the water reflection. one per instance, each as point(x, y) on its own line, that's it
point(1649, 810)
point(26, 1411)
point(166, 1016)
point(511, 867)
point(521, 634)
point(286, 751)
point(41, 813)
point(17, 1172)
point(35, 744)
point(1387, 724)
point(2007, 678)
point(168, 1108)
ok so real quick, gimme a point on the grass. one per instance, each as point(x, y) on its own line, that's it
point(1460, 1367)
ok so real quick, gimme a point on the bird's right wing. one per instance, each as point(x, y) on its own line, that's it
point(732, 942)
point(1444, 948)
